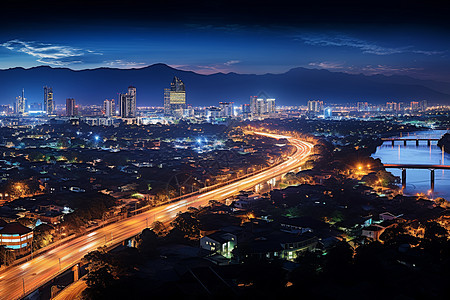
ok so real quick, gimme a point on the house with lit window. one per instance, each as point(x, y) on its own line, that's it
point(219, 242)
point(15, 236)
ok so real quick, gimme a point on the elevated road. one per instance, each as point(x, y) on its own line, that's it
point(23, 278)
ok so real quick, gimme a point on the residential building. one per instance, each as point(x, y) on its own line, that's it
point(219, 242)
point(226, 109)
point(315, 106)
point(71, 108)
point(261, 106)
point(109, 108)
point(128, 103)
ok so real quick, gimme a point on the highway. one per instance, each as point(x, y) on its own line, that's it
point(27, 276)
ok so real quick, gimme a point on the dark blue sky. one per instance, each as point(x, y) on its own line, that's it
point(231, 36)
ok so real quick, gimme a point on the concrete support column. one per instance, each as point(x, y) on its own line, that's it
point(403, 178)
point(393, 141)
point(432, 180)
point(429, 143)
point(404, 143)
point(76, 272)
point(417, 143)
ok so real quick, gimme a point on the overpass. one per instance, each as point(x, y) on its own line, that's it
point(405, 140)
point(403, 167)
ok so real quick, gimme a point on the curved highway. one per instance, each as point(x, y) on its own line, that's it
point(32, 274)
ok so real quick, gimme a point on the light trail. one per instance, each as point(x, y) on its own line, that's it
point(39, 270)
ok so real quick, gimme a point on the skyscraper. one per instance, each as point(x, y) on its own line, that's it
point(261, 105)
point(71, 108)
point(127, 103)
point(315, 106)
point(49, 105)
point(226, 109)
point(109, 108)
point(20, 103)
point(174, 97)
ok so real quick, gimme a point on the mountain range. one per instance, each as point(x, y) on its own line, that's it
point(294, 87)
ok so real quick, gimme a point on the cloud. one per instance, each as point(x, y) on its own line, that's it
point(365, 46)
point(327, 65)
point(56, 55)
point(231, 62)
point(209, 68)
point(120, 63)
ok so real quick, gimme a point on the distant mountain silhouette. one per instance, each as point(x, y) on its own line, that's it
point(294, 87)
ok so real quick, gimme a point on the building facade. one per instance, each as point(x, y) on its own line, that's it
point(128, 103)
point(20, 104)
point(261, 106)
point(71, 108)
point(49, 104)
point(15, 236)
point(109, 108)
point(175, 98)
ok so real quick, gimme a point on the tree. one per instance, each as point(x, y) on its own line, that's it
point(187, 224)
point(7, 256)
point(147, 242)
point(159, 228)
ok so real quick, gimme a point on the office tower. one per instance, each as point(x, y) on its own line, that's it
point(174, 97)
point(226, 109)
point(71, 108)
point(414, 105)
point(127, 103)
point(109, 108)
point(213, 113)
point(20, 103)
point(261, 105)
point(49, 105)
point(315, 106)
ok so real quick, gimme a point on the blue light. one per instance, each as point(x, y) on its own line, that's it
point(199, 141)
point(97, 137)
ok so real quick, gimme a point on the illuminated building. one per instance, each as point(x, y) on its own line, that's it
point(315, 106)
point(20, 104)
point(15, 236)
point(175, 98)
point(246, 112)
point(71, 108)
point(49, 104)
point(327, 113)
point(226, 109)
point(109, 108)
point(391, 106)
point(261, 105)
point(127, 103)
point(363, 106)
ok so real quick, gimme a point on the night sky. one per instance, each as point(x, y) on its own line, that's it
point(370, 37)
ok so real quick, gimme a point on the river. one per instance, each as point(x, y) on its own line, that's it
point(418, 181)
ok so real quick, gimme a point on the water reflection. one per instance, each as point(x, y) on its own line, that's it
point(418, 181)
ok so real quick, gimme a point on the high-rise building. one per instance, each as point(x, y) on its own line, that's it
point(226, 109)
point(246, 112)
point(71, 108)
point(20, 104)
point(174, 97)
point(363, 106)
point(315, 106)
point(423, 105)
point(327, 113)
point(49, 105)
point(391, 106)
point(128, 103)
point(109, 108)
point(414, 105)
point(261, 105)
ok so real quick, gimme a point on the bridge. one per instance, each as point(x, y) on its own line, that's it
point(405, 140)
point(403, 167)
